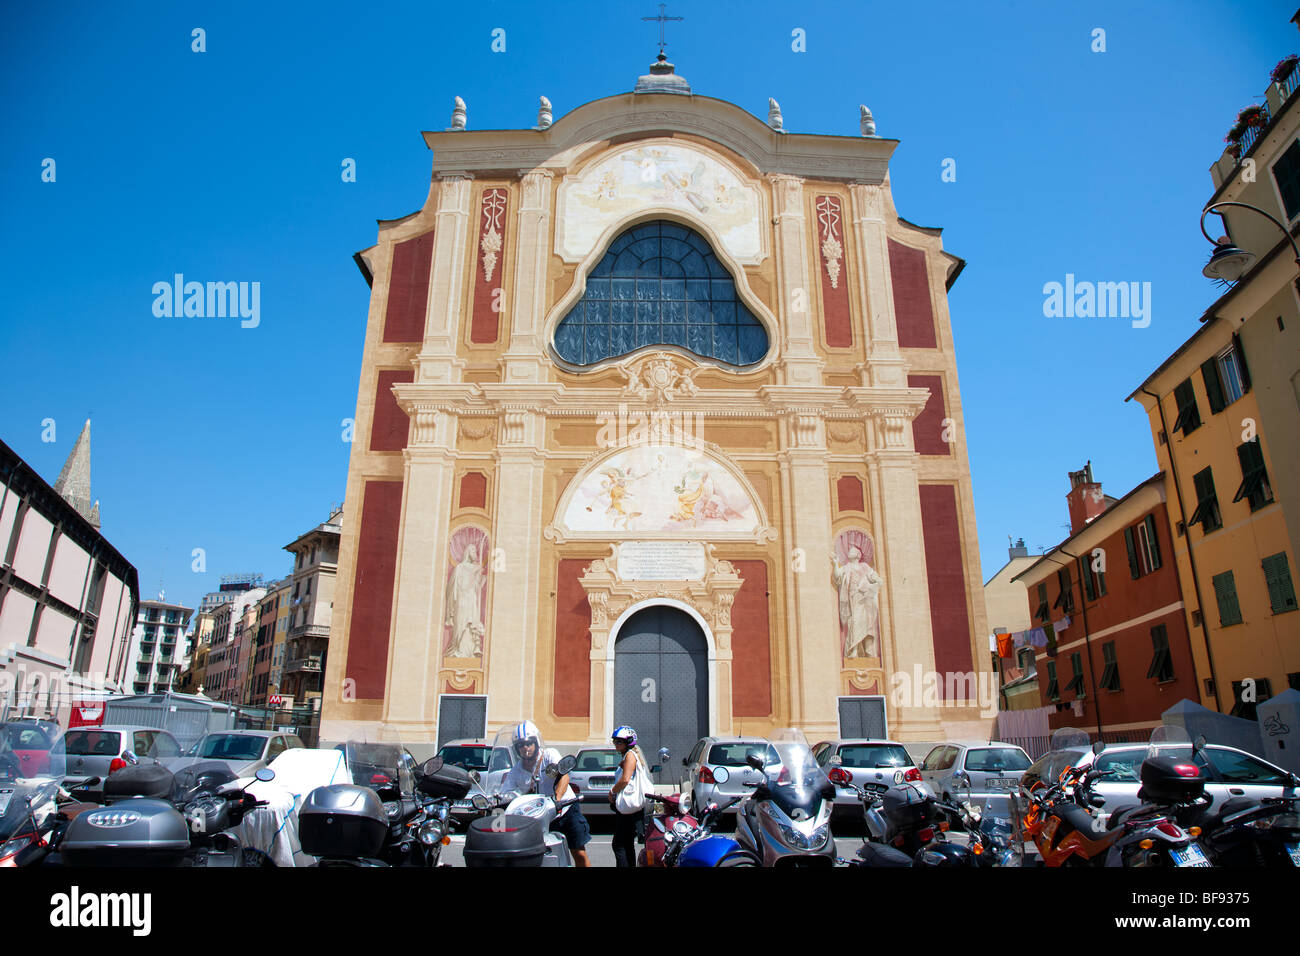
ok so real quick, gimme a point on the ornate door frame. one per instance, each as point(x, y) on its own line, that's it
point(614, 600)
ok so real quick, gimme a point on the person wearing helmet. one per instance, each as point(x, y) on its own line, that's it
point(627, 826)
point(528, 775)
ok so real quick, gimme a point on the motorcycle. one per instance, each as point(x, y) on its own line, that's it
point(513, 826)
point(1172, 785)
point(394, 813)
point(786, 820)
point(1060, 818)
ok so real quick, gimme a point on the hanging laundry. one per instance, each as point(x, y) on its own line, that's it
point(1037, 637)
point(1062, 624)
point(1018, 639)
point(1004, 645)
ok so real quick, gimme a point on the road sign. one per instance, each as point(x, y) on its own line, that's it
point(275, 700)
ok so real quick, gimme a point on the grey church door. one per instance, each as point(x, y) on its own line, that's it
point(661, 684)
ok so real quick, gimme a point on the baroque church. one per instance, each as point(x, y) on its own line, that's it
point(658, 424)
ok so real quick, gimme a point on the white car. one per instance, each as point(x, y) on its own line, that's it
point(1229, 773)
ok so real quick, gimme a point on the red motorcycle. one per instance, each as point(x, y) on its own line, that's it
point(659, 832)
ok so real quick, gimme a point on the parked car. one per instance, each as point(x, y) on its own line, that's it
point(870, 761)
point(593, 775)
point(1229, 773)
point(985, 774)
point(90, 751)
point(25, 746)
point(244, 751)
point(728, 754)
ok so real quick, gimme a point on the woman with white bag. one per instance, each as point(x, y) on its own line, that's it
point(628, 796)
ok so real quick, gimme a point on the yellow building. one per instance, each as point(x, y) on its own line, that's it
point(659, 424)
point(1224, 411)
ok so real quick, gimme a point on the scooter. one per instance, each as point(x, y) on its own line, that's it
point(515, 829)
point(786, 820)
point(33, 815)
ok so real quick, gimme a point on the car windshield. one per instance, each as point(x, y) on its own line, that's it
point(734, 754)
point(874, 756)
point(594, 760)
point(92, 743)
point(997, 759)
point(466, 756)
point(230, 747)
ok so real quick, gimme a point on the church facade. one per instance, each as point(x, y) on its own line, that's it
point(658, 424)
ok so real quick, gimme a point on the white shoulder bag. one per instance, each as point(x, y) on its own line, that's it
point(632, 797)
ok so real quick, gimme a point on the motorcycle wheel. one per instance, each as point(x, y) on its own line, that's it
point(737, 859)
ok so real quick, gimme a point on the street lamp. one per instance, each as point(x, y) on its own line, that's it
point(1229, 263)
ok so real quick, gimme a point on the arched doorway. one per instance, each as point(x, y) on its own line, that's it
point(661, 683)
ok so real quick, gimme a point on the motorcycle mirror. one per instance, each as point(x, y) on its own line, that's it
point(431, 766)
point(130, 757)
point(722, 775)
point(565, 765)
point(1097, 800)
point(1200, 743)
point(1098, 747)
point(480, 802)
point(755, 761)
point(266, 775)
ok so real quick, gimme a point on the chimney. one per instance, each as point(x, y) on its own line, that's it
point(1018, 550)
point(1085, 499)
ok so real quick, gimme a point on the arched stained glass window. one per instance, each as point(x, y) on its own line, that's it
point(660, 284)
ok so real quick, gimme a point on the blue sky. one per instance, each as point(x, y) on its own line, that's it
point(225, 165)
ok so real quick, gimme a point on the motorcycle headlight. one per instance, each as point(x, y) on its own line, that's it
point(793, 837)
point(821, 835)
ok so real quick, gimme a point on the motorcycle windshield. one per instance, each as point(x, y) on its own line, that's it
point(796, 784)
point(14, 802)
point(380, 766)
point(519, 759)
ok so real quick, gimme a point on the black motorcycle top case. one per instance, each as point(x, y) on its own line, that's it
point(447, 782)
point(139, 780)
point(134, 832)
point(342, 820)
point(513, 840)
point(1162, 783)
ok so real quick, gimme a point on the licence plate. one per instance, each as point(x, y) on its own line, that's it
point(600, 782)
point(1192, 856)
point(1002, 783)
point(1293, 851)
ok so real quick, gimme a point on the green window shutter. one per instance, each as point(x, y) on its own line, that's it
point(1150, 522)
point(1241, 361)
point(1213, 384)
point(1225, 592)
point(1189, 416)
point(1277, 575)
point(1131, 545)
point(1085, 574)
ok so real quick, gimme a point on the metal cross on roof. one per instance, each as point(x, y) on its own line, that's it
point(662, 20)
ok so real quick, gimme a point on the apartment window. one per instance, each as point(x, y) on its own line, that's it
point(1254, 485)
point(1286, 173)
point(1025, 660)
point(1110, 672)
point(1065, 600)
point(1207, 502)
point(1052, 692)
point(295, 591)
point(1277, 575)
point(1162, 662)
point(307, 589)
point(1076, 680)
point(1088, 579)
point(1247, 694)
point(1225, 592)
point(1143, 546)
point(1189, 416)
point(1043, 614)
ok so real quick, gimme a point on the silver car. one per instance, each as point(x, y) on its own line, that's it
point(593, 775)
point(90, 751)
point(983, 774)
point(872, 763)
point(728, 753)
point(244, 751)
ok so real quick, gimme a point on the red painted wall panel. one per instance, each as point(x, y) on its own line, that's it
point(912, 307)
point(408, 290)
point(572, 697)
point(392, 426)
point(473, 490)
point(372, 593)
point(484, 324)
point(836, 318)
point(949, 617)
point(849, 492)
point(927, 428)
point(751, 664)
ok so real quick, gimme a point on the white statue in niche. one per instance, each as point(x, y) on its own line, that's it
point(859, 589)
point(465, 592)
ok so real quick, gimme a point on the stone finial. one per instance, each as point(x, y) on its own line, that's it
point(868, 124)
point(543, 113)
point(774, 118)
point(458, 114)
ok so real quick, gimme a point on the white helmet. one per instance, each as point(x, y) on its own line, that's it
point(526, 733)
